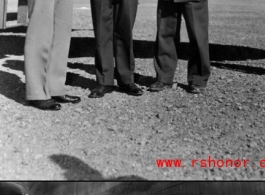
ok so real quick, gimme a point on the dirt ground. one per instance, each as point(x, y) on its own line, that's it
point(121, 136)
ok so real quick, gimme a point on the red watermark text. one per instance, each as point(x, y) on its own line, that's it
point(207, 163)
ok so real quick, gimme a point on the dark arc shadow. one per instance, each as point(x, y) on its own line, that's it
point(76, 169)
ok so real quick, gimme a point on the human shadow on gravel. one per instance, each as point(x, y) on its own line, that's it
point(79, 81)
point(240, 68)
point(76, 169)
point(143, 80)
point(76, 80)
point(72, 79)
point(11, 45)
point(89, 68)
point(85, 47)
point(12, 87)
point(14, 65)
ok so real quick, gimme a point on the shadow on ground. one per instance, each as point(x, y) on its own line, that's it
point(11, 45)
point(14, 65)
point(84, 47)
point(12, 87)
point(240, 68)
point(76, 80)
point(76, 169)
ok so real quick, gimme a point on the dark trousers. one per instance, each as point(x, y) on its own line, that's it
point(197, 19)
point(113, 21)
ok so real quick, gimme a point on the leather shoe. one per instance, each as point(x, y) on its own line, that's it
point(159, 86)
point(49, 104)
point(101, 90)
point(131, 89)
point(67, 99)
point(196, 89)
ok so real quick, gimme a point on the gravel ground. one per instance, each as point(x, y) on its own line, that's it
point(120, 136)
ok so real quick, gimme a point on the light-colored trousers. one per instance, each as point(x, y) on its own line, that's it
point(47, 47)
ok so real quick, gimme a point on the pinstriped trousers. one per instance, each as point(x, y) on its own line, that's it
point(47, 47)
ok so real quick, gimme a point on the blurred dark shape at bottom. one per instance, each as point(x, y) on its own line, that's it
point(13, 188)
point(132, 188)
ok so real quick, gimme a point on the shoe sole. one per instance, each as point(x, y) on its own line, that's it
point(46, 109)
point(73, 102)
point(40, 108)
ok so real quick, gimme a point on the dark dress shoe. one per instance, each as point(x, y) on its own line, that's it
point(131, 89)
point(196, 89)
point(67, 99)
point(101, 90)
point(49, 104)
point(159, 86)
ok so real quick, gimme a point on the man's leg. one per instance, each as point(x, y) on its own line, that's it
point(37, 49)
point(165, 59)
point(178, 32)
point(57, 67)
point(197, 20)
point(102, 15)
point(125, 14)
point(39, 41)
